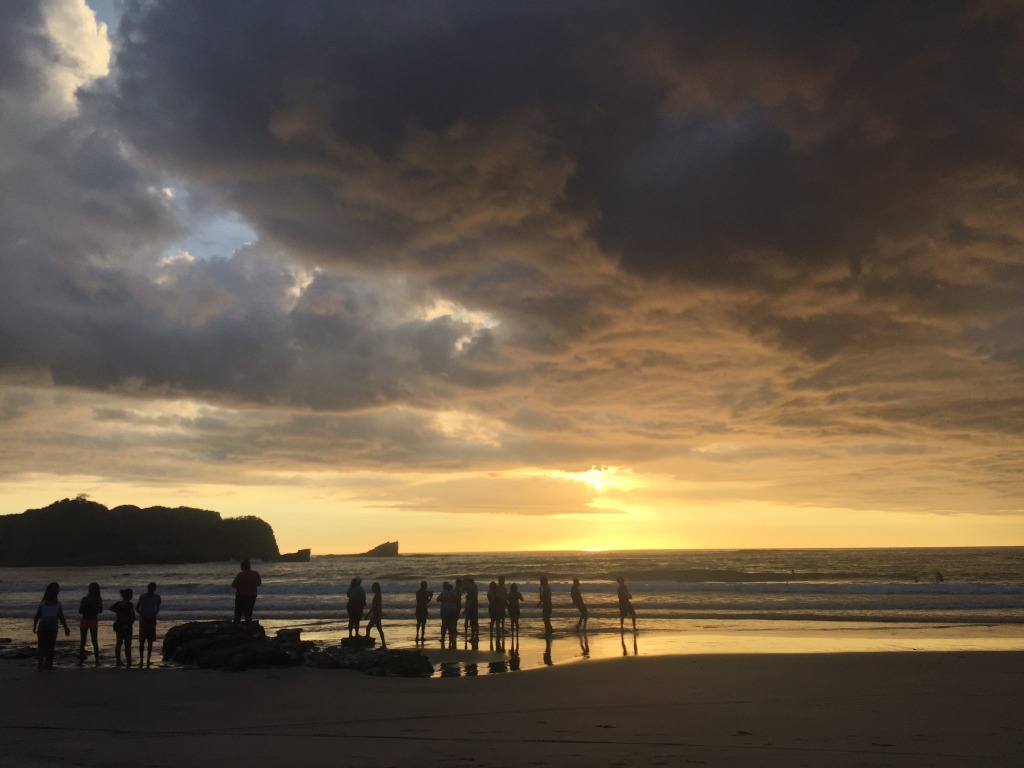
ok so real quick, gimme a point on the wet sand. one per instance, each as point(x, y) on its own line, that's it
point(824, 709)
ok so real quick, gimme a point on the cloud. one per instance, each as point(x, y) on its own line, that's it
point(483, 236)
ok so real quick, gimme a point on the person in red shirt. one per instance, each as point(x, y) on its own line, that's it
point(245, 586)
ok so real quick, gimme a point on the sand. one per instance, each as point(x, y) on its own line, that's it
point(842, 709)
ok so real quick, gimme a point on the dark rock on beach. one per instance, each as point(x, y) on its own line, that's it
point(11, 652)
point(229, 646)
point(233, 647)
point(358, 642)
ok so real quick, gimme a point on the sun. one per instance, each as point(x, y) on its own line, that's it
point(599, 478)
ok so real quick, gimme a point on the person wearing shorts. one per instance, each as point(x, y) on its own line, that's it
point(147, 607)
point(91, 607)
point(124, 624)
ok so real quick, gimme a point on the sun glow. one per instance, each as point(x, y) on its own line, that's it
point(600, 478)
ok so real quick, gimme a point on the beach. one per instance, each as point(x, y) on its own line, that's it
point(824, 709)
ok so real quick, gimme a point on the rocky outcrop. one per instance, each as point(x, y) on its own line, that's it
point(233, 647)
point(387, 549)
point(301, 556)
point(229, 646)
point(82, 532)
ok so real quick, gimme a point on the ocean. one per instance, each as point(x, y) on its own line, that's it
point(686, 600)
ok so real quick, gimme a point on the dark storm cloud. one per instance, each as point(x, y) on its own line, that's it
point(19, 22)
point(704, 136)
point(611, 233)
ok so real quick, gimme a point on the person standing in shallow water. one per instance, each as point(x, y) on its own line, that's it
point(90, 608)
point(496, 610)
point(355, 606)
point(147, 607)
point(449, 602)
point(49, 614)
point(545, 604)
point(423, 597)
point(625, 606)
point(246, 586)
point(376, 613)
point(577, 600)
point(471, 627)
point(124, 622)
point(515, 597)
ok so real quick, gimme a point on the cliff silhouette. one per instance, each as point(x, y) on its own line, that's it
point(82, 532)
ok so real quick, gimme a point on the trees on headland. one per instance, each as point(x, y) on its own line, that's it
point(83, 532)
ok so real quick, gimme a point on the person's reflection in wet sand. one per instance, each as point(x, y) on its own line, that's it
point(584, 644)
point(547, 651)
point(622, 634)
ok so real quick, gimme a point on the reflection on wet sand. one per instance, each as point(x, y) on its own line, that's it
point(511, 661)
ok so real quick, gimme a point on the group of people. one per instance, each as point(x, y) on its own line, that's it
point(49, 617)
point(357, 610)
point(462, 598)
point(458, 598)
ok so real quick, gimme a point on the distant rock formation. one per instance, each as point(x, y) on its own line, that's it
point(387, 549)
point(300, 556)
point(82, 532)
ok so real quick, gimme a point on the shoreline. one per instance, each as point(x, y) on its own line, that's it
point(532, 650)
point(835, 709)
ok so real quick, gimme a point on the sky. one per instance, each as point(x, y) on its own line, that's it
point(499, 276)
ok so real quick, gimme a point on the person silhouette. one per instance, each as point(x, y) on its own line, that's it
point(515, 597)
point(471, 626)
point(504, 591)
point(245, 584)
point(49, 615)
point(354, 607)
point(577, 600)
point(423, 597)
point(449, 602)
point(545, 604)
point(90, 607)
point(625, 606)
point(148, 607)
point(376, 613)
point(496, 613)
point(124, 622)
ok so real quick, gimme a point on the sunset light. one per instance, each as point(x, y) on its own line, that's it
point(504, 277)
